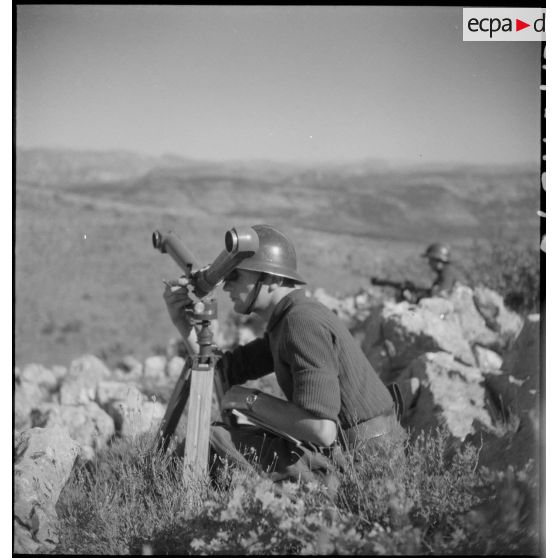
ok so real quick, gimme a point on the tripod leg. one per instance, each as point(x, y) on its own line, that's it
point(175, 407)
point(196, 453)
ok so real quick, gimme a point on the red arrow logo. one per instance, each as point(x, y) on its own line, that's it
point(519, 25)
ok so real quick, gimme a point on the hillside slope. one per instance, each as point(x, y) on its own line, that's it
point(88, 280)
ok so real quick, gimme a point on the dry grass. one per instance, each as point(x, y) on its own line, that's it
point(130, 499)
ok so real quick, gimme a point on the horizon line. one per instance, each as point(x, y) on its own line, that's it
point(279, 161)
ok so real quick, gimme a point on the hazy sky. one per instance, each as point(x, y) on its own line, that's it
point(282, 83)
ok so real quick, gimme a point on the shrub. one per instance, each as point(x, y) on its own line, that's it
point(125, 498)
point(435, 501)
point(512, 268)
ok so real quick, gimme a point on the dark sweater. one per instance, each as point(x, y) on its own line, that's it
point(318, 364)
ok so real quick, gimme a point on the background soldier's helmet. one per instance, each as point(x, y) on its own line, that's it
point(439, 252)
point(276, 255)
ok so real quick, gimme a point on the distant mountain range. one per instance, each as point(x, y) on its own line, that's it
point(365, 198)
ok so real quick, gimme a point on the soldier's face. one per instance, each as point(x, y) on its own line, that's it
point(239, 284)
point(435, 265)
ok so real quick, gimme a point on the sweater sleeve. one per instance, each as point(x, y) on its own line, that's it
point(250, 361)
point(311, 351)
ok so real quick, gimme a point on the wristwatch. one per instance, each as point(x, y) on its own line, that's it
point(251, 399)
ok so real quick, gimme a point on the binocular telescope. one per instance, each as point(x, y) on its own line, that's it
point(240, 244)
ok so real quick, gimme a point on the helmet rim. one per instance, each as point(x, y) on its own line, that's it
point(273, 270)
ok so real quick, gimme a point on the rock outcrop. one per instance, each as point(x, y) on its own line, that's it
point(449, 393)
point(80, 383)
point(133, 414)
point(464, 362)
point(44, 458)
point(63, 414)
point(87, 424)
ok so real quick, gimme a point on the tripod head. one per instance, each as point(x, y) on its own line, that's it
point(201, 313)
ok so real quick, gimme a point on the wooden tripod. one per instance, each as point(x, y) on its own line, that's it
point(195, 385)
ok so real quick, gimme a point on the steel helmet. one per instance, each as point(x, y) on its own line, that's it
point(275, 255)
point(438, 251)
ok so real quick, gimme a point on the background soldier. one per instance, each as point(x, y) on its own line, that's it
point(439, 260)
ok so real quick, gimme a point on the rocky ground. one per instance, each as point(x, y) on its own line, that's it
point(465, 362)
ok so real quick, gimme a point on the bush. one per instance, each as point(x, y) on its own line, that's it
point(432, 502)
point(511, 268)
point(125, 499)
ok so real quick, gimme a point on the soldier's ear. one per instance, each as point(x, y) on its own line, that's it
point(274, 282)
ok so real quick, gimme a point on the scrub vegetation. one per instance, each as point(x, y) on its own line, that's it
point(131, 500)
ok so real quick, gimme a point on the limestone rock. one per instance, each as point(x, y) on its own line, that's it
point(121, 409)
point(59, 373)
point(497, 317)
point(352, 309)
point(44, 458)
point(487, 360)
point(87, 424)
point(28, 396)
point(146, 419)
point(135, 416)
point(39, 375)
point(470, 321)
point(129, 368)
point(109, 391)
point(154, 367)
point(413, 331)
point(80, 383)
point(450, 393)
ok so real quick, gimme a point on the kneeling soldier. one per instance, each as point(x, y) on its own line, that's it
point(335, 400)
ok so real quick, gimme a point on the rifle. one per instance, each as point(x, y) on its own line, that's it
point(198, 374)
point(416, 292)
point(401, 285)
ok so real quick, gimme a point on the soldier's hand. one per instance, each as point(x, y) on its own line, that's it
point(177, 299)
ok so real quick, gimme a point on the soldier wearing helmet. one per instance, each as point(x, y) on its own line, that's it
point(439, 260)
point(334, 398)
